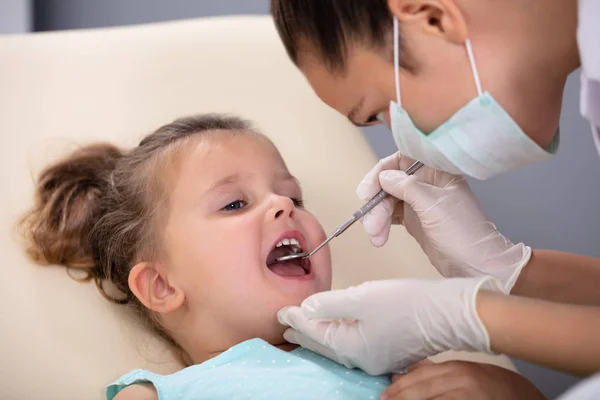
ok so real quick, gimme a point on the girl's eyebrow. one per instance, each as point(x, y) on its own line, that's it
point(228, 180)
point(289, 177)
point(235, 178)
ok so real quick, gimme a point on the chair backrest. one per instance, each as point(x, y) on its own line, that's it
point(62, 340)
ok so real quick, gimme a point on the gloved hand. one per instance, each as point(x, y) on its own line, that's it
point(385, 326)
point(441, 212)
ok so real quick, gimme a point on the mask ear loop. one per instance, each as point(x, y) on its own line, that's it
point(473, 66)
point(397, 61)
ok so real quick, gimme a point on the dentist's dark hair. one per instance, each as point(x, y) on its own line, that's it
point(97, 209)
point(331, 26)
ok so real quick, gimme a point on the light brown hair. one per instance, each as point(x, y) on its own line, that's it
point(96, 209)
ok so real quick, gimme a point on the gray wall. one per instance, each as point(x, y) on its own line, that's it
point(550, 205)
point(15, 16)
point(74, 14)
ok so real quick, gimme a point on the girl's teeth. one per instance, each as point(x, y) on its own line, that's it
point(289, 242)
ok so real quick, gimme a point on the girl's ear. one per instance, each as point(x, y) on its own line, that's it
point(150, 284)
point(441, 18)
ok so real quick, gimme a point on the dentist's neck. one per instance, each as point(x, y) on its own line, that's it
point(533, 46)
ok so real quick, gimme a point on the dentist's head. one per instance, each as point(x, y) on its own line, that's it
point(467, 86)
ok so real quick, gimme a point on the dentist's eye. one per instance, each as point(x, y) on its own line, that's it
point(298, 202)
point(373, 119)
point(376, 119)
point(235, 205)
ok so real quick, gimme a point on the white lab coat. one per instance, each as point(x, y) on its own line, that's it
point(588, 40)
point(588, 389)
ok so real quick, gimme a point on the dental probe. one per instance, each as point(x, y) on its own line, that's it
point(369, 205)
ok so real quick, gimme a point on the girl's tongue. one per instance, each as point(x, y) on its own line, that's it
point(287, 268)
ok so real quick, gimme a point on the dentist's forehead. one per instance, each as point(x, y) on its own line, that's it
point(345, 91)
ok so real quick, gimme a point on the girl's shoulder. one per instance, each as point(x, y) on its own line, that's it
point(143, 391)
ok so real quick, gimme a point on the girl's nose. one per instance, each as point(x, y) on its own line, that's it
point(283, 207)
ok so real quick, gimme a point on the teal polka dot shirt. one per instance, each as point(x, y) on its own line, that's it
point(256, 370)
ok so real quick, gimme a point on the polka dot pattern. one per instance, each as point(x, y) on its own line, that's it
point(256, 370)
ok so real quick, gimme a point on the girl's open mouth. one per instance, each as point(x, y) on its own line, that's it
point(295, 267)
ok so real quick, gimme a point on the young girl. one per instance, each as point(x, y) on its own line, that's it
point(187, 226)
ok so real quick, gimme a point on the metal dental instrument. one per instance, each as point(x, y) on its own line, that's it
point(350, 221)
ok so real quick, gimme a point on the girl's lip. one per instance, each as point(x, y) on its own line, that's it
point(307, 277)
point(294, 234)
point(291, 235)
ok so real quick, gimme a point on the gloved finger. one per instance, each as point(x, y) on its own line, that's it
point(377, 222)
point(382, 237)
point(313, 333)
point(334, 304)
point(369, 186)
point(295, 318)
point(404, 162)
point(403, 187)
point(414, 227)
point(298, 338)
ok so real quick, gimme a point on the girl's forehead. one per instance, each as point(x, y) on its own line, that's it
point(234, 149)
point(213, 157)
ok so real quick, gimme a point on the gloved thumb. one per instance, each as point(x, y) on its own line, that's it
point(400, 185)
point(333, 304)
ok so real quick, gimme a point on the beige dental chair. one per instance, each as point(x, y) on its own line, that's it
point(60, 339)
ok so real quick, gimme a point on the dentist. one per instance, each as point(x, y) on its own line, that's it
point(468, 87)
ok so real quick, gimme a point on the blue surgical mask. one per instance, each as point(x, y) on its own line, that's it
point(480, 140)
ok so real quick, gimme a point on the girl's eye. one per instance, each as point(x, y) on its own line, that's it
point(298, 202)
point(235, 205)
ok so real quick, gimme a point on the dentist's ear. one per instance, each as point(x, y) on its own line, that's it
point(150, 284)
point(441, 18)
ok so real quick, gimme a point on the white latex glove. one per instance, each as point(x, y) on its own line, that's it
point(441, 212)
point(385, 326)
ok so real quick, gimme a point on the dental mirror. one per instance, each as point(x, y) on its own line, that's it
point(355, 217)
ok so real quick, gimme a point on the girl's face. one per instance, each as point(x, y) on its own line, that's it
point(231, 202)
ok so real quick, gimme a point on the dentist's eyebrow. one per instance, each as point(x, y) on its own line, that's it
point(355, 111)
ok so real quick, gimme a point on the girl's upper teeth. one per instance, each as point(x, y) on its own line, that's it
point(288, 242)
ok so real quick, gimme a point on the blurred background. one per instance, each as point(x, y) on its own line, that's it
point(550, 205)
